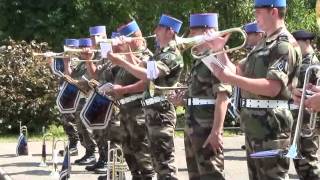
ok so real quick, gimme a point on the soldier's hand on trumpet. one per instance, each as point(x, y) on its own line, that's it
point(313, 102)
point(87, 54)
point(225, 74)
point(116, 59)
point(217, 44)
point(117, 91)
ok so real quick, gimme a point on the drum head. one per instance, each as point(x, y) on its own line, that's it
point(97, 111)
point(68, 98)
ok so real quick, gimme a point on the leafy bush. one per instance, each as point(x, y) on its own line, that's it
point(27, 87)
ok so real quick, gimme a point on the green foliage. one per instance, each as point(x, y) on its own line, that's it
point(56, 130)
point(27, 88)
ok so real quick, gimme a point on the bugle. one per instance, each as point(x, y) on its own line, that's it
point(123, 39)
point(22, 146)
point(43, 162)
point(198, 40)
point(55, 172)
point(116, 164)
point(294, 148)
point(79, 50)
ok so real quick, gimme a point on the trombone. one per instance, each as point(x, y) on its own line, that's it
point(197, 41)
point(293, 151)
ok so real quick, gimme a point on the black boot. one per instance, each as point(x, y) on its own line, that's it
point(73, 149)
point(102, 168)
point(87, 159)
point(98, 165)
point(104, 177)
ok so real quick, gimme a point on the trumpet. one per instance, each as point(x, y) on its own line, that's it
point(294, 148)
point(55, 172)
point(105, 51)
point(116, 165)
point(82, 85)
point(43, 162)
point(50, 54)
point(196, 41)
point(123, 39)
point(153, 88)
point(23, 145)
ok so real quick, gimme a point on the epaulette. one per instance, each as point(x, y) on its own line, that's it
point(283, 37)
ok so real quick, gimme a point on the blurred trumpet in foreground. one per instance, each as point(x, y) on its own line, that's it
point(116, 165)
point(294, 148)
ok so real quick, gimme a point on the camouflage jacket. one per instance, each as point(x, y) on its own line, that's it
point(308, 60)
point(124, 78)
point(203, 84)
point(277, 57)
point(169, 61)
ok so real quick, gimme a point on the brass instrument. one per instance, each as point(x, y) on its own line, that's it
point(116, 165)
point(50, 54)
point(115, 41)
point(79, 50)
point(23, 138)
point(294, 148)
point(196, 41)
point(83, 85)
point(43, 162)
point(55, 172)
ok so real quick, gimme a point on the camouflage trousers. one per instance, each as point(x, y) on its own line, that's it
point(267, 129)
point(202, 163)
point(113, 133)
point(308, 167)
point(267, 168)
point(85, 135)
point(70, 128)
point(135, 143)
point(161, 121)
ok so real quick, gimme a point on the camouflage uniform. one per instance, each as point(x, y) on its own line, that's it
point(106, 73)
point(275, 58)
point(308, 167)
point(69, 125)
point(85, 136)
point(135, 144)
point(161, 117)
point(202, 163)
